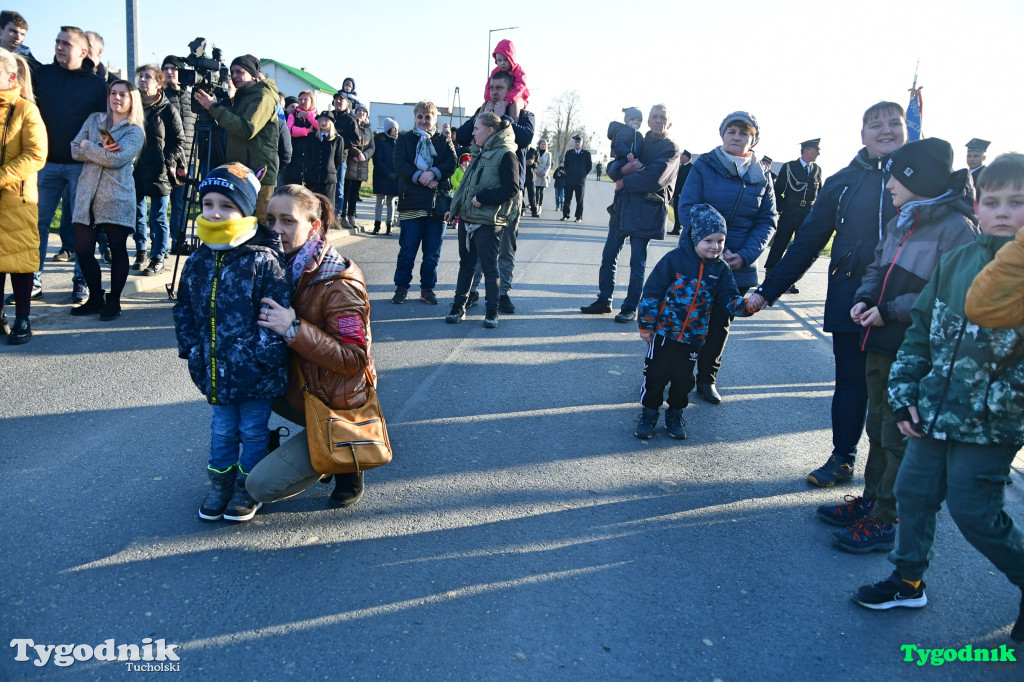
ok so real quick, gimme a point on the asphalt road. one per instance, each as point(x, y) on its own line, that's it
point(521, 532)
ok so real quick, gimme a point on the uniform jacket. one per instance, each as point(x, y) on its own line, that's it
point(182, 101)
point(797, 187)
point(385, 177)
point(905, 258)
point(231, 358)
point(577, 166)
point(413, 196)
point(966, 381)
point(636, 214)
point(360, 170)
point(518, 91)
point(163, 152)
point(106, 187)
point(251, 125)
point(22, 156)
point(332, 344)
point(65, 99)
point(680, 291)
point(852, 210)
point(995, 299)
point(543, 168)
point(748, 204)
point(496, 188)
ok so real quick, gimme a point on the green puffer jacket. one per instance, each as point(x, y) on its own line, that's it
point(251, 124)
point(483, 174)
point(966, 381)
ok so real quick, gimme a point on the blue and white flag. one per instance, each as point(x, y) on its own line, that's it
point(915, 113)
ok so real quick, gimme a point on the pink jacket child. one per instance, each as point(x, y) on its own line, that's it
point(518, 92)
point(304, 124)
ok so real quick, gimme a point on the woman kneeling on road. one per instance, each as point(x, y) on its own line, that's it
point(487, 201)
point(328, 333)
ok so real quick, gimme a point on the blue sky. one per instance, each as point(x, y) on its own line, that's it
point(805, 69)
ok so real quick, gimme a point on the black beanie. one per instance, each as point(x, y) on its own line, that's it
point(923, 166)
point(249, 63)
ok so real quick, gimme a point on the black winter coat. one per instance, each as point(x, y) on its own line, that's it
point(385, 177)
point(578, 167)
point(412, 196)
point(854, 206)
point(215, 318)
point(164, 150)
point(323, 159)
point(65, 99)
point(182, 101)
point(636, 215)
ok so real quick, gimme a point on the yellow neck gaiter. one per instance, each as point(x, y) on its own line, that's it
point(226, 234)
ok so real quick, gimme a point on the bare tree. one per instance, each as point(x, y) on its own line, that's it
point(565, 120)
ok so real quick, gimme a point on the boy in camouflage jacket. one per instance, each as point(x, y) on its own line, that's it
point(956, 390)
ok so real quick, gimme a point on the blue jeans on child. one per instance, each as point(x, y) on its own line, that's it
point(244, 423)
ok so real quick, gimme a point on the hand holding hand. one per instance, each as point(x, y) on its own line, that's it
point(907, 428)
point(500, 108)
point(872, 318)
point(274, 317)
point(733, 260)
point(426, 177)
point(856, 311)
point(632, 167)
point(755, 303)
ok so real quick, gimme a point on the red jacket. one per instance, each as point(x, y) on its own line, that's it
point(518, 91)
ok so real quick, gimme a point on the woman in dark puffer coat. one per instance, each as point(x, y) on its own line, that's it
point(385, 177)
point(731, 179)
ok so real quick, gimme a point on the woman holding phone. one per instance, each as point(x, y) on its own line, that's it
point(107, 144)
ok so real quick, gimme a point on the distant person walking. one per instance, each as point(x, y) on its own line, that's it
point(577, 168)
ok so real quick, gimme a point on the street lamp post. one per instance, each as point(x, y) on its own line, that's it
point(494, 30)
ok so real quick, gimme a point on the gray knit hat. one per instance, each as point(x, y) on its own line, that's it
point(389, 123)
point(632, 112)
point(705, 220)
point(746, 118)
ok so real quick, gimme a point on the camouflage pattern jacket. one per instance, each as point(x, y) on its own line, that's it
point(231, 358)
point(965, 380)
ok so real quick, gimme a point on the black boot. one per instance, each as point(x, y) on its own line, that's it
point(242, 506)
point(140, 261)
point(92, 306)
point(348, 489)
point(223, 483)
point(21, 332)
point(674, 424)
point(376, 227)
point(111, 309)
point(645, 425)
point(389, 229)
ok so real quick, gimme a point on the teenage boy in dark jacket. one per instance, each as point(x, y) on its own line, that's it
point(852, 210)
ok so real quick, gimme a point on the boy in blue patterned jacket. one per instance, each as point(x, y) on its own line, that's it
point(673, 317)
point(238, 365)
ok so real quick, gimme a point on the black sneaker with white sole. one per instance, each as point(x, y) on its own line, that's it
point(891, 593)
point(155, 266)
point(242, 506)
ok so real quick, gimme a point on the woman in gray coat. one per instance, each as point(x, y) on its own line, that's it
point(105, 200)
point(541, 172)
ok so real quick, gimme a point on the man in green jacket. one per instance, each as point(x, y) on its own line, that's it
point(251, 124)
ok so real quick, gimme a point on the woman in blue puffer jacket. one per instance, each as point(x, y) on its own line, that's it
point(731, 179)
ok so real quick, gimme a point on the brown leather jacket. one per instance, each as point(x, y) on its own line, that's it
point(334, 370)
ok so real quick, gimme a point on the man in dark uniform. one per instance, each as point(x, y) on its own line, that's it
point(684, 169)
point(796, 188)
point(976, 160)
point(766, 164)
point(577, 168)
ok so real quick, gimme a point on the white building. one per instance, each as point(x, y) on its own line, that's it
point(291, 81)
point(403, 113)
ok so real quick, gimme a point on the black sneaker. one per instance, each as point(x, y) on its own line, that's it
point(21, 332)
point(140, 261)
point(474, 298)
point(400, 295)
point(222, 488)
point(63, 256)
point(456, 315)
point(866, 535)
point(491, 319)
point(505, 305)
point(625, 315)
point(242, 506)
point(845, 515)
point(831, 472)
point(674, 424)
point(579, 220)
point(598, 307)
point(428, 296)
point(645, 427)
point(890, 593)
point(154, 267)
point(79, 292)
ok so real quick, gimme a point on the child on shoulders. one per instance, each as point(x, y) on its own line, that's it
point(505, 60)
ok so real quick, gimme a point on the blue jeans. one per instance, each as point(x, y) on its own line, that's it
point(429, 232)
point(339, 191)
point(244, 423)
point(53, 180)
point(157, 224)
point(559, 197)
point(637, 267)
point(177, 211)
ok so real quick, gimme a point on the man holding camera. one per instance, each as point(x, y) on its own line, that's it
point(251, 124)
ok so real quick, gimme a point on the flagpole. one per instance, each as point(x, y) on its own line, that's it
point(915, 112)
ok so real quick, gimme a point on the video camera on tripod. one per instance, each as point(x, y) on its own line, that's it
point(207, 74)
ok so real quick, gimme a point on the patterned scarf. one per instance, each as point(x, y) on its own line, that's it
point(425, 151)
point(308, 254)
